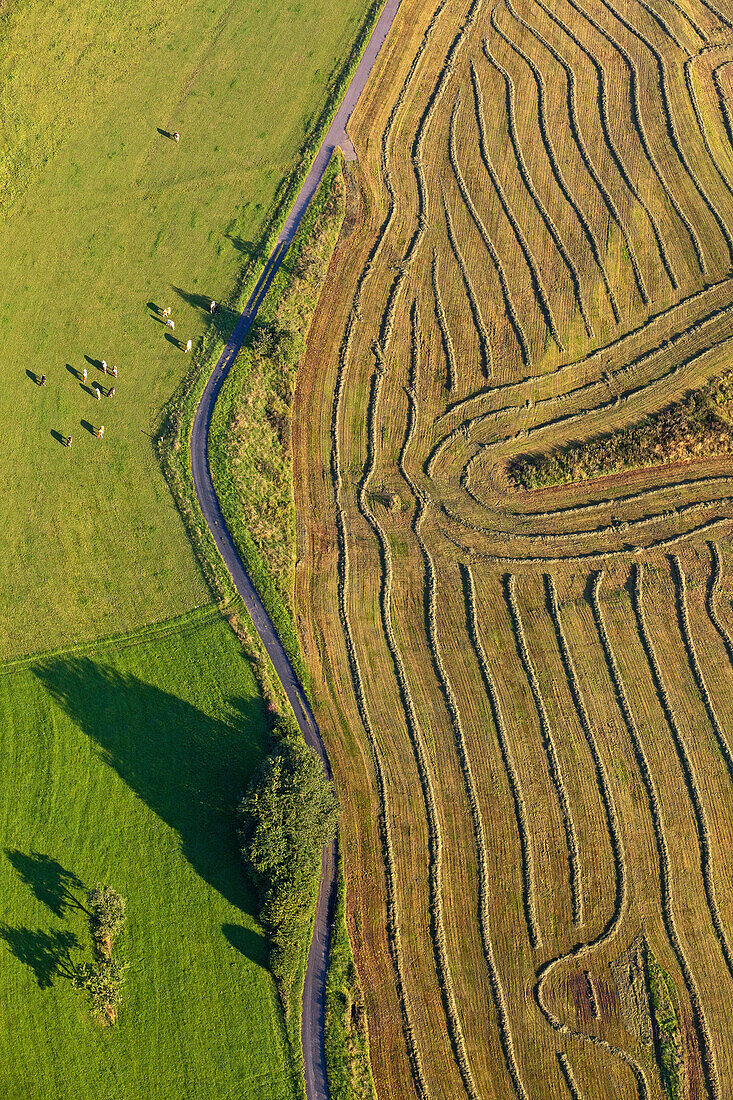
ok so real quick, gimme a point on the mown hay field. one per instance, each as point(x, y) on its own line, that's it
point(527, 694)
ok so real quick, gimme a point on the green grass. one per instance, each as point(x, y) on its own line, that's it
point(124, 763)
point(101, 215)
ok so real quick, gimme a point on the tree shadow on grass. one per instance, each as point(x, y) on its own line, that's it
point(49, 880)
point(249, 248)
point(189, 768)
point(199, 301)
point(252, 945)
point(48, 954)
point(223, 320)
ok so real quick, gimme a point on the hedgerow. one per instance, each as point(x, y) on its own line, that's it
point(699, 426)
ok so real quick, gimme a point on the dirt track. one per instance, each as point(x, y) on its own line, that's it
point(312, 1028)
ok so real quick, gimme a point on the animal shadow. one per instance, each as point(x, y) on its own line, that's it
point(74, 370)
point(164, 133)
point(33, 377)
point(93, 362)
point(89, 427)
point(172, 340)
point(59, 437)
point(48, 879)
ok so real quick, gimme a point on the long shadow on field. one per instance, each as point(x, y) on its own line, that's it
point(251, 944)
point(48, 954)
point(189, 768)
point(223, 320)
point(198, 301)
point(49, 880)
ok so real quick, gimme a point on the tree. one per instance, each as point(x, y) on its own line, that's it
point(102, 981)
point(106, 917)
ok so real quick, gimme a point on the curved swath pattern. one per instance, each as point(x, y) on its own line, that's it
point(672, 128)
point(613, 149)
point(491, 249)
point(528, 182)
point(554, 162)
point(535, 275)
point(640, 129)
point(583, 149)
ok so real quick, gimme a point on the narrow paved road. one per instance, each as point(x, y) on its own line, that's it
point(314, 990)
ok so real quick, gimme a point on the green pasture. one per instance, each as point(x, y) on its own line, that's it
point(124, 763)
point(100, 215)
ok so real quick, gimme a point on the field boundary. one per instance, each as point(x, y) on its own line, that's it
point(186, 621)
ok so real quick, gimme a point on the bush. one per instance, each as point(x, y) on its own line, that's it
point(287, 815)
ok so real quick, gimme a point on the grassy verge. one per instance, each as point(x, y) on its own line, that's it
point(250, 446)
point(697, 427)
point(250, 440)
point(347, 1038)
point(124, 762)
